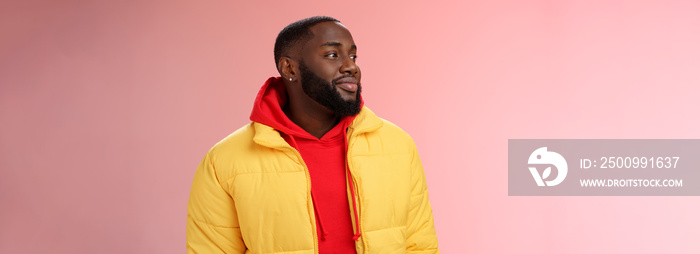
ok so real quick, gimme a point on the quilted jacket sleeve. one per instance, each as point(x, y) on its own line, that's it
point(421, 231)
point(212, 221)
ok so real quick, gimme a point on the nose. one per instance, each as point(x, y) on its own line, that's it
point(349, 67)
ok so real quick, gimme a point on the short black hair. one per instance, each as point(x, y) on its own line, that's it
point(296, 33)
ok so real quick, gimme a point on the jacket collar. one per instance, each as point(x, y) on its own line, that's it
point(366, 121)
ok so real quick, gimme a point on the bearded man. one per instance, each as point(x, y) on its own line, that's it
point(315, 171)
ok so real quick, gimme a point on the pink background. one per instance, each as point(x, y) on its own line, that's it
point(107, 107)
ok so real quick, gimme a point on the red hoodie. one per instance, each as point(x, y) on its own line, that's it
point(325, 159)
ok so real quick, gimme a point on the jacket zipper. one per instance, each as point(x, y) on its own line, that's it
point(308, 196)
point(357, 196)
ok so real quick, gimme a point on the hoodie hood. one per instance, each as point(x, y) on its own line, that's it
point(267, 109)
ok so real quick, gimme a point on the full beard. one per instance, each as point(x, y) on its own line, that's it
point(327, 95)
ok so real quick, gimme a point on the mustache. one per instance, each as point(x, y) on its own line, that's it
point(335, 81)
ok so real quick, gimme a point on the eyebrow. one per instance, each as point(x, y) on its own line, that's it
point(336, 44)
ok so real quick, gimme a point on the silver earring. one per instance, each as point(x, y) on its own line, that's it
point(290, 79)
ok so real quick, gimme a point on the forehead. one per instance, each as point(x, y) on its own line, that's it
point(330, 32)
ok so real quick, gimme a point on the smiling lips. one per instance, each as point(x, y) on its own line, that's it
point(348, 84)
point(350, 87)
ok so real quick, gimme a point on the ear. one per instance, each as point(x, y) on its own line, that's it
point(287, 68)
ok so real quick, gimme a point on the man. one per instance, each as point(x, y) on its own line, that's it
point(315, 171)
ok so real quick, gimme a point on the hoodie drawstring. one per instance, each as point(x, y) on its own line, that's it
point(352, 188)
point(318, 218)
point(357, 234)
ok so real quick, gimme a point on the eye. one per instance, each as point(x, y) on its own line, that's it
point(332, 55)
point(354, 57)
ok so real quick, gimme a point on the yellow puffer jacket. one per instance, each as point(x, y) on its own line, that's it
point(252, 194)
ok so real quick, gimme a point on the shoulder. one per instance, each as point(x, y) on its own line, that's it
point(233, 151)
point(246, 146)
point(372, 126)
point(384, 137)
point(234, 142)
point(393, 131)
point(393, 134)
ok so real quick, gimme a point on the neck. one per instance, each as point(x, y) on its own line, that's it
point(317, 121)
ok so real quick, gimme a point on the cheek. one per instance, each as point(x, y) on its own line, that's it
point(328, 73)
point(325, 70)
